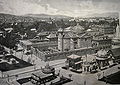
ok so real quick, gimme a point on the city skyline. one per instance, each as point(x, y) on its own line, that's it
point(72, 8)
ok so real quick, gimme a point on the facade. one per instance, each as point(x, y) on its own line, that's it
point(102, 42)
point(106, 29)
point(54, 54)
point(74, 61)
point(72, 38)
point(26, 44)
point(67, 42)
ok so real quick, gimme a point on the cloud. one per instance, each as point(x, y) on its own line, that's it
point(62, 7)
point(19, 7)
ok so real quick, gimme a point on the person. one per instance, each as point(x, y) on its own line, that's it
point(98, 76)
point(51, 83)
point(84, 82)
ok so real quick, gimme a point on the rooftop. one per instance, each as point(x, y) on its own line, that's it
point(26, 42)
point(52, 35)
point(73, 56)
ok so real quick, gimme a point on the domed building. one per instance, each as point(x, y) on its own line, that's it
point(102, 58)
point(72, 38)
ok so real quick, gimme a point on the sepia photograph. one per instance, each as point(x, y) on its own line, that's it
point(59, 42)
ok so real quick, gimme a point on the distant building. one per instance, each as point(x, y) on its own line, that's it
point(53, 36)
point(41, 35)
point(108, 30)
point(102, 42)
point(65, 42)
point(42, 44)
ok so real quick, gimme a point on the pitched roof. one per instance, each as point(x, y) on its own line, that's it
point(85, 35)
point(70, 35)
point(52, 35)
point(73, 56)
point(66, 35)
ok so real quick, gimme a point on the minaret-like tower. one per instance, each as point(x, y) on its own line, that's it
point(117, 32)
point(117, 35)
point(60, 39)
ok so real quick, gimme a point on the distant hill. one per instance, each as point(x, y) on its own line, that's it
point(13, 18)
point(29, 17)
point(47, 16)
point(107, 14)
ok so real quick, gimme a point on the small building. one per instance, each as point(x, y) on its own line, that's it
point(52, 37)
point(40, 78)
point(42, 35)
point(74, 61)
point(26, 44)
point(103, 58)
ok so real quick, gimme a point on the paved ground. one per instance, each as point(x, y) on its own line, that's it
point(78, 79)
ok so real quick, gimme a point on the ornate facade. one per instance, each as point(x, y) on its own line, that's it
point(72, 38)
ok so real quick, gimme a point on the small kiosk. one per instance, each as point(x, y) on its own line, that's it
point(74, 61)
point(45, 75)
point(40, 78)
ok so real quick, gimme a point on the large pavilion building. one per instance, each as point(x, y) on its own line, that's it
point(103, 58)
point(67, 41)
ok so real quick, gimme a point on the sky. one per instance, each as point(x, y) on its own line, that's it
point(59, 7)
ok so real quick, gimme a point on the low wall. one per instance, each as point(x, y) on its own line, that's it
point(63, 55)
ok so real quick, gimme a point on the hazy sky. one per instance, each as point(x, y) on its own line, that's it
point(62, 7)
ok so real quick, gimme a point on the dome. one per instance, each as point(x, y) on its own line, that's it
point(102, 53)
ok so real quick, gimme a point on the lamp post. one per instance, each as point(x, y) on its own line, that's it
point(84, 82)
point(22, 54)
point(8, 77)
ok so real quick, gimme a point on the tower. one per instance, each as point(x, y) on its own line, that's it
point(118, 32)
point(60, 39)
